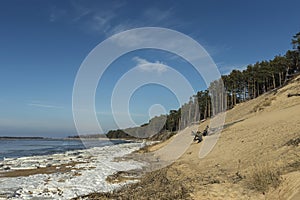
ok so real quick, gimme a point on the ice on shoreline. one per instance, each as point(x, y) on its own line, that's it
point(87, 176)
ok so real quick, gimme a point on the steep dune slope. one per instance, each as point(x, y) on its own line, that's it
point(257, 156)
point(260, 135)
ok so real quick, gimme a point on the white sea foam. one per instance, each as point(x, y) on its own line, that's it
point(83, 178)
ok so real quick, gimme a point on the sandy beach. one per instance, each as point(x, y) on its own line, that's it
point(256, 157)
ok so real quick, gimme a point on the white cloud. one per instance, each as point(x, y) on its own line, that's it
point(96, 18)
point(146, 66)
point(225, 69)
point(56, 14)
point(100, 22)
point(82, 15)
point(110, 18)
point(160, 38)
point(155, 15)
point(44, 105)
point(79, 11)
point(122, 114)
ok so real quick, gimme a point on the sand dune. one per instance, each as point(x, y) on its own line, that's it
point(256, 137)
point(257, 156)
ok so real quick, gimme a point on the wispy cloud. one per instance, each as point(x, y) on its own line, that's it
point(56, 14)
point(101, 22)
point(227, 68)
point(156, 15)
point(79, 11)
point(146, 66)
point(90, 17)
point(122, 114)
point(110, 18)
point(44, 105)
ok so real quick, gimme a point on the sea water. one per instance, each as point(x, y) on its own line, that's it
point(89, 175)
point(14, 148)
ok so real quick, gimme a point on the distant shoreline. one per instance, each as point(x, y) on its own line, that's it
point(22, 138)
point(47, 138)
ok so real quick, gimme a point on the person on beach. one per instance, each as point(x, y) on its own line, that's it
point(205, 132)
point(198, 137)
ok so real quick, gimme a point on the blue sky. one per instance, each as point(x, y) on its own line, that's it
point(43, 43)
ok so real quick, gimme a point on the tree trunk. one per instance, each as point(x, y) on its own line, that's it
point(232, 101)
point(208, 108)
point(244, 94)
point(264, 86)
point(190, 112)
point(196, 110)
point(257, 88)
point(205, 112)
point(249, 89)
point(254, 90)
point(287, 74)
point(274, 83)
point(280, 73)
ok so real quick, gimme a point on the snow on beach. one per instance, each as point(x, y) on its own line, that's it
point(84, 172)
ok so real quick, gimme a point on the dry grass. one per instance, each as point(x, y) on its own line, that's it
point(293, 142)
point(123, 176)
point(154, 185)
point(144, 149)
point(262, 177)
point(262, 105)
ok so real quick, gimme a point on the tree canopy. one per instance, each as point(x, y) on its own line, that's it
point(238, 86)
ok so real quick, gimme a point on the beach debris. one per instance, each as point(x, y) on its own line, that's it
point(293, 95)
point(64, 176)
point(293, 142)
